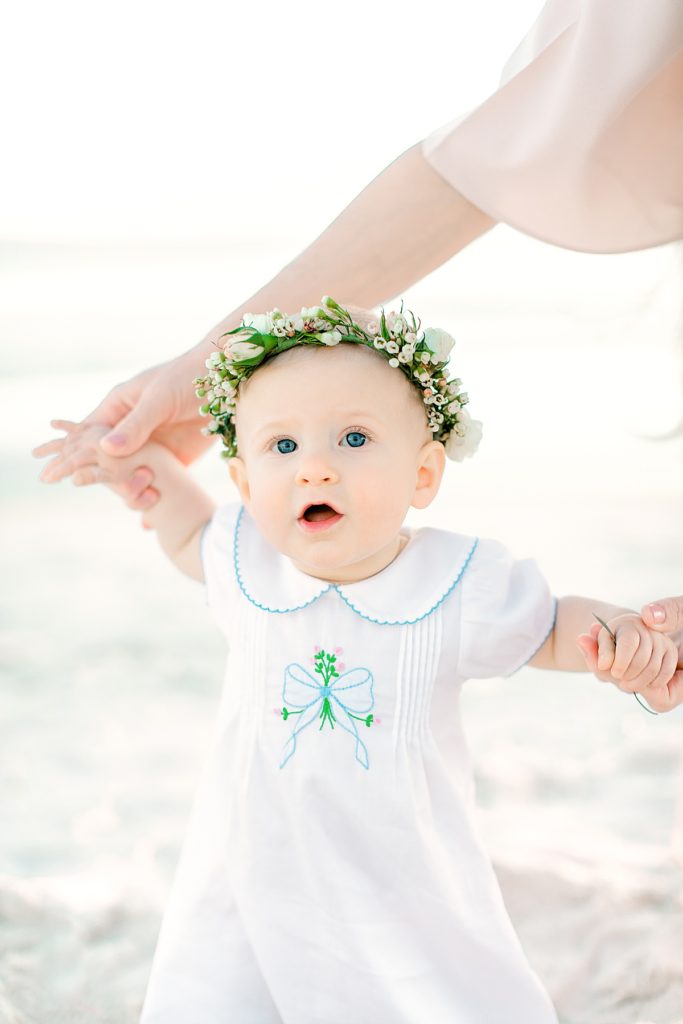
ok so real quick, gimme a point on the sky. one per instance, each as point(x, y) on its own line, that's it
point(144, 121)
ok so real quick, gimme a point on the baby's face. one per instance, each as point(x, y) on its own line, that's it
point(334, 449)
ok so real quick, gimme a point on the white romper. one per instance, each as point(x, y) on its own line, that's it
point(332, 872)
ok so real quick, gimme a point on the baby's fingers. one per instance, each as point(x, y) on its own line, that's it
point(667, 697)
point(606, 651)
point(634, 650)
point(48, 448)
point(667, 671)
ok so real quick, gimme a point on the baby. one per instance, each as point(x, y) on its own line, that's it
point(333, 872)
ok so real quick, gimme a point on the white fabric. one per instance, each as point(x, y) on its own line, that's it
point(332, 871)
point(582, 143)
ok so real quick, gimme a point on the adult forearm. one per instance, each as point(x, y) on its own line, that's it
point(404, 224)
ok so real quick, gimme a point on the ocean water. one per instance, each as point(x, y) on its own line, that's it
point(111, 668)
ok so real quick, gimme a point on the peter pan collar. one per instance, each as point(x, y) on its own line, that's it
point(401, 593)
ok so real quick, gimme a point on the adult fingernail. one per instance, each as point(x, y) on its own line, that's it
point(658, 613)
point(115, 440)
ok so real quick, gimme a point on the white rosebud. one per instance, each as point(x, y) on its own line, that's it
point(463, 398)
point(439, 342)
point(262, 322)
point(464, 439)
point(329, 337)
point(240, 350)
point(393, 362)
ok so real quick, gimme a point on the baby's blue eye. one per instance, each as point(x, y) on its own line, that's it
point(285, 445)
point(355, 438)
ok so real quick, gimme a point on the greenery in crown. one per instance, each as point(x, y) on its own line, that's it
point(422, 356)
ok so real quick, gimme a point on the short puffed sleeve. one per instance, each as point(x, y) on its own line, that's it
point(507, 612)
point(218, 563)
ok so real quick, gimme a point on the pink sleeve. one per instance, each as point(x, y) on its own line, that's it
point(582, 144)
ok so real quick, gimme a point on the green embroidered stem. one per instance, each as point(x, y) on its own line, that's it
point(369, 719)
point(326, 713)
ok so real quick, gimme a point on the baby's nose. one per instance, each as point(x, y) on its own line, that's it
point(316, 470)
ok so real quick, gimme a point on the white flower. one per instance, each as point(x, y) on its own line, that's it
point(309, 313)
point(411, 337)
point(329, 337)
point(396, 323)
point(237, 351)
point(465, 440)
point(393, 362)
point(263, 322)
point(379, 341)
point(392, 347)
point(425, 357)
point(373, 327)
point(439, 343)
point(406, 354)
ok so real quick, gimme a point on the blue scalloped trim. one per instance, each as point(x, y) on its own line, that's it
point(409, 622)
point(238, 574)
point(334, 586)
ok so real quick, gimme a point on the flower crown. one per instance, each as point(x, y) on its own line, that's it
point(421, 355)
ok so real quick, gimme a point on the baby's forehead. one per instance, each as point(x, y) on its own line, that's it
point(346, 374)
point(344, 365)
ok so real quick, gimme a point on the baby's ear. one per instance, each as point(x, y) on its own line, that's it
point(430, 467)
point(238, 475)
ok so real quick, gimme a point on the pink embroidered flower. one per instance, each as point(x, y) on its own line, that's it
point(341, 666)
point(339, 650)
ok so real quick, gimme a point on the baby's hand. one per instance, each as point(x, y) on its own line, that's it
point(78, 454)
point(641, 661)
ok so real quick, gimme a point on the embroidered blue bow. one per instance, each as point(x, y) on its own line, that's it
point(341, 699)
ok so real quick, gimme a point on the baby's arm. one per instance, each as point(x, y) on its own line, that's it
point(183, 507)
point(642, 661)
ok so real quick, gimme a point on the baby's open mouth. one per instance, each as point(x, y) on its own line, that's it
point(319, 513)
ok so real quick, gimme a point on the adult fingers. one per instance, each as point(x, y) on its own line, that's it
point(665, 615)
point(606, 651)
point(135, 428)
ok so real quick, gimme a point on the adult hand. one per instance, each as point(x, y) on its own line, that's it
point(666, 616)
point(159, 403)
point(346, 261)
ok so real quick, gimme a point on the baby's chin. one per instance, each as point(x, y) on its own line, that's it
point(326, 564)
